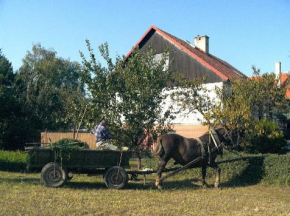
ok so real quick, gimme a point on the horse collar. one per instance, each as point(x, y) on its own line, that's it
point(214, 137)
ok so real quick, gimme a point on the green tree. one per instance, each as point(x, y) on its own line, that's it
point(253, 109)
point(129, 94)
point(13, 122)
point(50, 88)
point(240, 105)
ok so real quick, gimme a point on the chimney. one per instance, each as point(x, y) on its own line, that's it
point(278, 71)
point(202, 42)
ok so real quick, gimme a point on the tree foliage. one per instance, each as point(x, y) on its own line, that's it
point(13, 121)
point(259, 97)
point(51, 89)
point(128, 93)
point(240, 105)
point(46, 93)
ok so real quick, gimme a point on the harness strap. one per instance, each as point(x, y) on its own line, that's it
point(215, 138)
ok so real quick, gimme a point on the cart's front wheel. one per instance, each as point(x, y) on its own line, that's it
point(116, 178)
point(53, 175)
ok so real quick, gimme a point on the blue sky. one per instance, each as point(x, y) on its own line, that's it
point(243, 33)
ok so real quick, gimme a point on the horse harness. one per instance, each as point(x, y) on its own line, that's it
point(212, 136)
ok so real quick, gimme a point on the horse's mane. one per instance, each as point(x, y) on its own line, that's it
point(157, 147)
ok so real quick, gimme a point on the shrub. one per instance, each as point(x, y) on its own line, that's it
point(266, 137)
point(277, 170)
point(13, 161)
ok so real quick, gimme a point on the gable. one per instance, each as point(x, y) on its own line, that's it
point(187, 59)
point(180, 61)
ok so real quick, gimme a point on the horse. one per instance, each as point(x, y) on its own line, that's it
point(184, 150)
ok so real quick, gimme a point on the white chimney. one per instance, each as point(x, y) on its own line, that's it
point(202, 42)
point(278, 71)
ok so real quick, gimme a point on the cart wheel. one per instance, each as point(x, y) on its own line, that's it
point(52, 175)
point(116, 178)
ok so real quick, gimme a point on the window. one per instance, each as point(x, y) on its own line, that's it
point(158, 58)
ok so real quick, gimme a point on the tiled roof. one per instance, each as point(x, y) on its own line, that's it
point(285, 78)
point(218, 66)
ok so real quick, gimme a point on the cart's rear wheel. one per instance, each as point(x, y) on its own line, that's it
point(116, 178)
point(53, 175)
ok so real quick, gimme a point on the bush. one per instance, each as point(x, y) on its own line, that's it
point(13, 161)
point(266, 137)
point(277, 170)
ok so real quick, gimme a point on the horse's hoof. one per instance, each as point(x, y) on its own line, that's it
point(156, 184)
point(159, 187)
point(217, 186)
point(205, 186)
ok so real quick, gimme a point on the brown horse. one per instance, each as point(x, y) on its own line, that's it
point(184, 150)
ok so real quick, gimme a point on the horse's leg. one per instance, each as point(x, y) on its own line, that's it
point(161, 166)
point(218, 174)
point(203, 170)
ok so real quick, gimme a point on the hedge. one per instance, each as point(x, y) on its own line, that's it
point(277, 169)
point(13, 161)
point(270, 169)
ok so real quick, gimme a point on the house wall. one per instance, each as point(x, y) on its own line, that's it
point(196, 118)
point(190, 130)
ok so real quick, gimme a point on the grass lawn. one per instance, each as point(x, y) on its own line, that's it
point(23, 194)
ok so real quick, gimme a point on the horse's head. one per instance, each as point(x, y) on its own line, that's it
point(227, 138)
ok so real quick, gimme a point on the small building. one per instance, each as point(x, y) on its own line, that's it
point(193, 61)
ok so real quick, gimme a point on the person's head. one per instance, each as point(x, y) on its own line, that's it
point(102, 121)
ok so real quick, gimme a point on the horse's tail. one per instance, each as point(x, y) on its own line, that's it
point(157, 147)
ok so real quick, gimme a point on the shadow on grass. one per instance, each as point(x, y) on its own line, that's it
point(251, 175)
point(183, 184)
point(85, 185)
point(139, 185)
point(12, 166)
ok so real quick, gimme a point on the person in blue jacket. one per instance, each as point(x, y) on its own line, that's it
point(103, 136)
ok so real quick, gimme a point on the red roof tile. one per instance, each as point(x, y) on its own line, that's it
point(285, 78)
point(218, 66)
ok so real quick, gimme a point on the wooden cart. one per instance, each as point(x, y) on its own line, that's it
point(56, 171)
